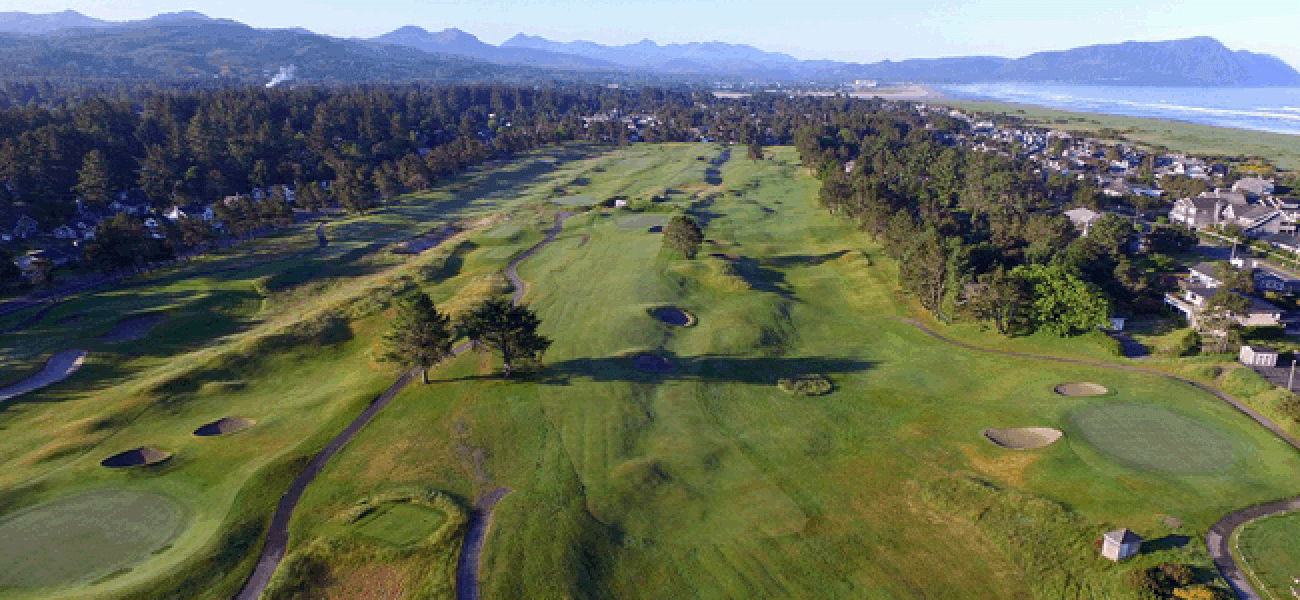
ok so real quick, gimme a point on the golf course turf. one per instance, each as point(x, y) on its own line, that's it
point(703, 481)
point(84, 537)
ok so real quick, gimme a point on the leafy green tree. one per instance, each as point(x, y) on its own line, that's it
point(1234, 279)
point(420, 335)
point(120, 242)
point(755, 148)
point(508, 330)
point(10, 274)
point(1112, 233)
point(1060, 302)
point(1000, 298)
point(684, 234)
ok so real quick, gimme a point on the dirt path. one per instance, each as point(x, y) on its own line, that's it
point(1218, 538)
point(277, 536)
point(57, 368)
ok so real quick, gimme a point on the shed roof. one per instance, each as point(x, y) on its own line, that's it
point(1123, 536)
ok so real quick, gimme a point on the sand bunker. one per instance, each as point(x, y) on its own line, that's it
point(131, 330)
point(138, 457)
point(224, 425)
point(1081, 388)
point(1023, 438)
point(652, 363)
point(59, 367)
point(673, 316)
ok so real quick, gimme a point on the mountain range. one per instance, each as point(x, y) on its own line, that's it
point(190, 44)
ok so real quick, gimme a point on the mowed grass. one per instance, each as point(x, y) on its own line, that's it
point(84, 537)
point(1178, 136)
point(710, 482)
point(1154, 438)
point(276, 330)
point(401, 524)
point(1271, 549)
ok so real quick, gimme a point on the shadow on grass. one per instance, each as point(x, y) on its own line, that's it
point(706, 368)
point(1169, 542)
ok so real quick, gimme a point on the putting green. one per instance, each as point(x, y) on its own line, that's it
point(1152, 438)
point(402, 524)
point(575, 200)
point(84, 537)
point(640, 221)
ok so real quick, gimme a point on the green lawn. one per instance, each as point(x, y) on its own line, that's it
point(711, 482)
point(401, 524)
point(1271, 548)
point(707, 481)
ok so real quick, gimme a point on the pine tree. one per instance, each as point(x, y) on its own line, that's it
point(684, 234)
point(508, 330)
point(92, 179)
point(421, 336)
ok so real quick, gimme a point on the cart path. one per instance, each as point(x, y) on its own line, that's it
point(277, 536)
point(59, 367)
point(480, 522)
point(1218, 538)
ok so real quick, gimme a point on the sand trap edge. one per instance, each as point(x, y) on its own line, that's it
point(689, 318)
point(136, 457)
point(1076, 389)
point(1002, 437)
point(224, 426)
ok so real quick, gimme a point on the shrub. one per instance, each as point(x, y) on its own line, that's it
point(1182, 343)
point(1179, 574)
point(300, 576)
point(1245, 382)
point(806, 385)
point(1264, 332)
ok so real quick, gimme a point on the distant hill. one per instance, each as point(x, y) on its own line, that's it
point(20, 22)
point(455, 41)
point(190, 44)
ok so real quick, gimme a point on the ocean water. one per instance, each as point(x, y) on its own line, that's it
point(1275, 110)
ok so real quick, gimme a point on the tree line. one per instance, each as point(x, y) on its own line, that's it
point(981, 235)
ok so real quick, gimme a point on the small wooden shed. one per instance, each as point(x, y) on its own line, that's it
point(1120, 544)
point(1258, 356)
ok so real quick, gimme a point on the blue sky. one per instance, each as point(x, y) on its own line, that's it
point(854, 30)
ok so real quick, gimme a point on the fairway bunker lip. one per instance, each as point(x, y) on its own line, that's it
point(224, 426)
point(1023, 438)
point(673, 315)
point(1081, 389)
point(136, 457)
point(653, 363)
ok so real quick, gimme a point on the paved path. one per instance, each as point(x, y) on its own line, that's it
point(57, 368)
point(480, 521)
point(277, 536)
point(1218, 537)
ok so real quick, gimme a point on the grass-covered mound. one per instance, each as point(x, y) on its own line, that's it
point(415, 532)
point(1156, 439)
point(84, 537)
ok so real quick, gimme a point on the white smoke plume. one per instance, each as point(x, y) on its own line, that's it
point(286, 74)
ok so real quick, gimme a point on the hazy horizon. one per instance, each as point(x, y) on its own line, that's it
point(820, 29)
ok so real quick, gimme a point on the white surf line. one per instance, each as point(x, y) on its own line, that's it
point(59, 367)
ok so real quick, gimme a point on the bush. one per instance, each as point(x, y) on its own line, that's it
point(806, 385)
point(1264, 332)
point(1245, 382)
point(1178, 574)
point(1182, 343)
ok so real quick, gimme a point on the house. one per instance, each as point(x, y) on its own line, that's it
point(1256, 218)
point(1204, 274)
point(1196, 212)
point(1117, 189)
point(1120, 544)
point(1195, 298)
point(1254, 187)
point(1258, 356)
point(1083, 218)
point(1267, 277)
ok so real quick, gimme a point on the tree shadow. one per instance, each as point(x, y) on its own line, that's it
point(759, 277)
point(801, 260)
point(1169, 542)
point(712, 368)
